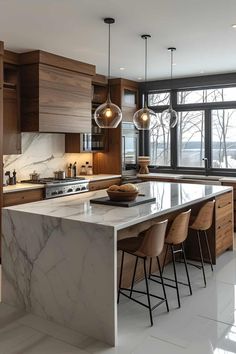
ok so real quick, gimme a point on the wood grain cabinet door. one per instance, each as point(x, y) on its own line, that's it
point(11, 124)
point(64, 101)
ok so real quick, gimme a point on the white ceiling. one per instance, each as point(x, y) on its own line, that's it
point(200, 29)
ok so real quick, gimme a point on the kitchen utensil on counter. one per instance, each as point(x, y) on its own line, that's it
point(59, 174)
point(90, 170)
point(83, 170)
point(74, 169)
point(69, 170)
point(34, 176)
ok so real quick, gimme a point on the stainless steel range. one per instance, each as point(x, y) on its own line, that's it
point(61, 187)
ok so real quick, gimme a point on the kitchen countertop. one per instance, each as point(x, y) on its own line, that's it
point(44, 242)
point(160, 175)
point(169, 197)
point(185, 177)
point(100, 177)
point(20, 187)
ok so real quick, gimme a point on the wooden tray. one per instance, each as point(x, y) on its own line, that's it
point(139, 200)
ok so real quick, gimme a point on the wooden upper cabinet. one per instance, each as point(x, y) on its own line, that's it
point(55, 99)
point(125, 94)
point(11, 124)
point(11, 109)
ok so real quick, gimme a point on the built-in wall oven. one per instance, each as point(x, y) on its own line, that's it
point(130, 144)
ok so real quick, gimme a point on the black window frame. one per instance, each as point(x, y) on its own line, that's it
point(187, 84)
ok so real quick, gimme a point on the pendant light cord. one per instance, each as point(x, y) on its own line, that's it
point(109, 52)
point(109, 62)
point(171, 49)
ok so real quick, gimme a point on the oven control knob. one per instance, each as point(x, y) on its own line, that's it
point(60, 192)
point(77, 189)
point(70, 190)
point(83, 188)
point(54, 193)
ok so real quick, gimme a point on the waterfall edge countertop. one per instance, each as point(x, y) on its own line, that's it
point(169, 197)
point(59, 256)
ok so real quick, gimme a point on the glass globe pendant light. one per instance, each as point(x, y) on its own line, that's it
point(169, 117)
point(145, 118)
point(108, 114)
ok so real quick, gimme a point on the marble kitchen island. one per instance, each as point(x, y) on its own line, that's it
point(59, 258)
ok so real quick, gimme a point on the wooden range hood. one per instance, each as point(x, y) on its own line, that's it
point(55, 93)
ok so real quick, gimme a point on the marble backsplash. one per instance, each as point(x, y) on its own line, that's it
point(43, 153)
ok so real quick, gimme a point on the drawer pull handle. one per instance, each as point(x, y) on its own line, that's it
point(222, 206)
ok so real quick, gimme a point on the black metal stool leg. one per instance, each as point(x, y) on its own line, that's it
point(202, 261)
point(132, 284)
point(121, 271)
point(164, 262)
point(162, 283)
point(150, 268)
point(175, 274)
point(186, 268)
point(148, 296)
point(208, 249)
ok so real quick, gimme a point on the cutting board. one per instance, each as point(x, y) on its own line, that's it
point(139, 200)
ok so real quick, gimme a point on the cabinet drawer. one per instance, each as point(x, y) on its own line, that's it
point(224, 201)
point(15, 198)
point(224, 237)
point(93, 186)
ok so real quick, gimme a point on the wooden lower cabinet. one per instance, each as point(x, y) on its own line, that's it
point(22, 197)
point(234, 198)
point(96, 185)
point(224, 222)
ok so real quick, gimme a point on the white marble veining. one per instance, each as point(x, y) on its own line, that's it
point(169, 197)
point(205, 323)
point(59, 256)
point(62, 270)
point(44, 153)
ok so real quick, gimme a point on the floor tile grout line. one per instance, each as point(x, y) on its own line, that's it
point(54, 337)
point(212, 319)
point(166, 341)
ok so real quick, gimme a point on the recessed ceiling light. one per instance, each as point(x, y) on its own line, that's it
point(140, 78)
point(202, 72)
point(234, 25)
point(122, 69)
point(174, 64)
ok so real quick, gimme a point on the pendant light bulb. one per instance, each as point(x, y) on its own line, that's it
point(108, 114)
point(169, 117)
point(145, 118)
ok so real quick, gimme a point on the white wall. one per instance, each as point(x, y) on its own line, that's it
point(43, 153)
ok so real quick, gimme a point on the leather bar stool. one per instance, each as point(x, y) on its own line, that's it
point(149, 245)
point(201, 224)
point(175, 242)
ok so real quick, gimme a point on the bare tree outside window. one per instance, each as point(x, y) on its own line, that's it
point(191, 130)
point(160, 144)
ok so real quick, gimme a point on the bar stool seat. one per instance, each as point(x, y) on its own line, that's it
point(175, 242)
point(149, 245)
point(201, 224)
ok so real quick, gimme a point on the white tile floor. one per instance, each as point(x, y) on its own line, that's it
point(206, 322)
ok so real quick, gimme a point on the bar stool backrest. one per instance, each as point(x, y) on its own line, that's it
point(179, 229)
point(204, 217)
point(154, 239)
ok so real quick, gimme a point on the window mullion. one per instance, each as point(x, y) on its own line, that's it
point(208, 138)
